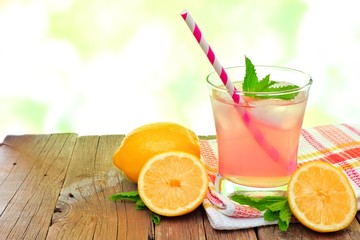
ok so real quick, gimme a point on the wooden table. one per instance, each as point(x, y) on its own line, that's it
point(57, 186)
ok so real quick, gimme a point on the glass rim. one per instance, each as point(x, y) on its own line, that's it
point(302, 87)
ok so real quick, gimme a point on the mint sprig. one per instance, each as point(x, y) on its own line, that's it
point(276, 208)
point(134, 196)
point(252, 84)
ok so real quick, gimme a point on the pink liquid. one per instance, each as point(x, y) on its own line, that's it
point(241, 159)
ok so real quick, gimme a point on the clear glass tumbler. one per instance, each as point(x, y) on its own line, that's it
point(258, 138)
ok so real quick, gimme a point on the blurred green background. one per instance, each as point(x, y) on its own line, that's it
point(108, 66)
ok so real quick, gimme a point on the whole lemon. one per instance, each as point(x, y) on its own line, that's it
point(146, 141)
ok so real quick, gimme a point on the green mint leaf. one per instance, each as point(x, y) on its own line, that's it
point(251, 83)
point(271, 216)
point(282, 212)
point(275, 207)
point(245, 200)
point(250, 80)
point(270, 202)
point(155, 218)
point(140, 205)
point(134, 196)
point(283, 226)
point(283, 223)
point(283, 96)
point(258, 203)
point(131, 196)
point(285, 213)
point(264, 84)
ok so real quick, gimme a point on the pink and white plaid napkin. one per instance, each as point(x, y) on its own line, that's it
point(336, 144)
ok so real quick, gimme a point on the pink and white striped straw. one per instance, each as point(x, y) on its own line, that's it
point(260, 139)
point(210, 55)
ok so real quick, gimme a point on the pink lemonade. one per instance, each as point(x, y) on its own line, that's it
point(241, 159)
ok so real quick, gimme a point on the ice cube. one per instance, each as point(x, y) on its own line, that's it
point(279, 113)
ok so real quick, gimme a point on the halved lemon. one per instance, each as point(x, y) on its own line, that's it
point(146, 141)
point(173, 183)
point(321, 197)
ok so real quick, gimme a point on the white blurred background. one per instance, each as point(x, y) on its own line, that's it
point(108, 66)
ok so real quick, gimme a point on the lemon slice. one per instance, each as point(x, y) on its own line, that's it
point(321, 197)
point(173, 183)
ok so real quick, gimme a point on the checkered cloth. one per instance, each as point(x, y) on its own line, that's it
point(336, 144)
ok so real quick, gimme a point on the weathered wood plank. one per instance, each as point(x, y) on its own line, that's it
point(58, 187)
point(29, 191)
point(84, 208)
point(132, 224)
point(189, 226)
point(126, 222)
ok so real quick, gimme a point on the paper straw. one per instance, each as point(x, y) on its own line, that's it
point(210, 55)
point(260, 139)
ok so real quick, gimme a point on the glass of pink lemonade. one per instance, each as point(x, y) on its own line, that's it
point(258, 138)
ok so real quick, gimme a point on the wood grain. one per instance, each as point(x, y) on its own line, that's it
point(57, 186)
point(31, 187)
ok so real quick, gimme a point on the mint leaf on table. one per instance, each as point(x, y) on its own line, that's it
point(275, 207)
point(155, 218)
point(140, 205)
point(134, 196)
point(252, 84)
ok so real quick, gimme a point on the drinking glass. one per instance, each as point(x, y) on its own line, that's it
point(258, 138)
